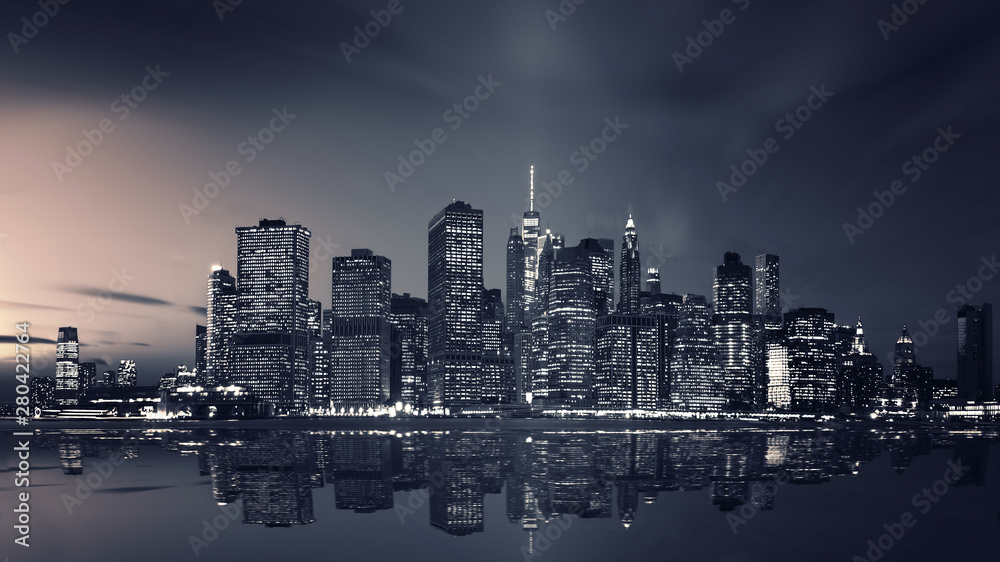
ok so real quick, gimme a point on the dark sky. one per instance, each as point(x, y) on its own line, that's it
point(113, 222)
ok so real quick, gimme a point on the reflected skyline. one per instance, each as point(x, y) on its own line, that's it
point(543, 475)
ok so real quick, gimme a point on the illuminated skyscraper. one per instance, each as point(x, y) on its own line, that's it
point(626, 362)
point(88, 377)
point(67, 367)
point(549, 244)
point(569, 324)
point(860, 375)
point(530, 229)
point(409, 316)
point(220, 325)
point(812, 366)
point(601, 254)
point(975, 353)
point(630, 275)
point(455, 304)
point(735, 335)
point(41, 392)
point(498, 366)
point(270, 351)
point(127, 373)
point(904, 384)
point(361, 332)
point(319, 356)
point(200, 352)
point(653, 280)
point(515, 281)
point(767, 292)
point(694, 364)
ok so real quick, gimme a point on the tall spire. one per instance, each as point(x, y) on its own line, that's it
point(532, 174)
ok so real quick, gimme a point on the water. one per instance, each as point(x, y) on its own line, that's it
point(512, 490)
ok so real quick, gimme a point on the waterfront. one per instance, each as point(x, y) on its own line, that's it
point(506, 490)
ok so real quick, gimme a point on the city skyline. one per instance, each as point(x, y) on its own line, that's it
point(685, 128)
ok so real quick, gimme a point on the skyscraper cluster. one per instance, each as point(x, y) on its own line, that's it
point(558, 341)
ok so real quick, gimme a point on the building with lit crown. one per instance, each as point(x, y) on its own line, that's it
point(67, 391)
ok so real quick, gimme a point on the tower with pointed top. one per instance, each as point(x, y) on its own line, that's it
point(630, 272)
point(859, 375)
point(530, 230)
point(910, 381)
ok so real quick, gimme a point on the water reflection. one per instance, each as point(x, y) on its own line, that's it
point(547, 474)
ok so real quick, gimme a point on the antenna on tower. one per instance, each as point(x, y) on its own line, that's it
point(532, 174)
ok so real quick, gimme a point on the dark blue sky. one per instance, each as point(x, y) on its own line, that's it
point(113, 222)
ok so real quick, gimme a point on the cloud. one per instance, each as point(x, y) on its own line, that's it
point(99, 361)
point(24, 305)
point(13, 339)
point(139, 343)
point(126, 297)
point(201, 310)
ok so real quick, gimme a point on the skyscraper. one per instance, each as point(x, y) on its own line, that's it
point(499, 386)
point(455, 304)
point(767, 292)
point(694, 364)
point(549, 245)
point(812, 367)
point(41, 392)
point(904, 384)
point(200, 352)
point(630, 274)
point(601, 254)
point(270, 351)
point(626, 362)
point(409, 316)
point(860, 375)
point(653, 280)
point(569, 322)
point(88, 377)
point(127, 373)
point(530, 230)
point(220, 325)
point(67, 367)
point(360, 340)
point(975, 353)
point(319, 355)
point(515, 281)
point(735, 337)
